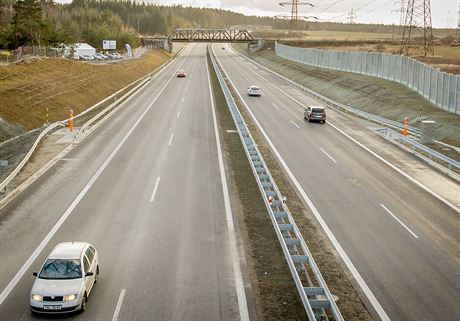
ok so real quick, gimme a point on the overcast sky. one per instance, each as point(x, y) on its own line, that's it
point(444, 12)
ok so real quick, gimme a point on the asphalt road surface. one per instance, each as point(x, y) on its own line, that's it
point(145, 189)
point(404, 242)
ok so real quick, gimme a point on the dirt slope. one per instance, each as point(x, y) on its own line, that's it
point(27, 89)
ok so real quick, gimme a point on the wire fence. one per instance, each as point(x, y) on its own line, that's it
point(441, 88)
point(13, 151)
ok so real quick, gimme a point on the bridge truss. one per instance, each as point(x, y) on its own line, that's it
point(211, 35)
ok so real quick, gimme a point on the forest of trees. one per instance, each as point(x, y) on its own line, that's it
point(46, 23)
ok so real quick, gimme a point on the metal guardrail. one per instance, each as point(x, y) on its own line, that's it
point(24, 161)
point(108, 109)
point(312, 288)
point(341, 107)
point(370, 117)
point(391, 134)
point(53, 126)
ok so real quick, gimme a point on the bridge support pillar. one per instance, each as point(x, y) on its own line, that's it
point(253, 47)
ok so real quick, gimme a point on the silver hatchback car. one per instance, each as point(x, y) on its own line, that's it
point(65, 279)
point(254, 91)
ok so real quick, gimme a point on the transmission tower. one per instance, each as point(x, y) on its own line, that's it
point(401, 11)
point(418, 33)
point(295, 15)
point(456, 42)
point(352, 17)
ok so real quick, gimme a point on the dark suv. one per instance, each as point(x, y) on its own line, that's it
point(315, 113)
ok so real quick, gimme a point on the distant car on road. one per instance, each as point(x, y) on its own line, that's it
point(65, 279)
point(315, 113)
point(181, 74)
point(223, 48)
point(86, 57)
point(254, 91)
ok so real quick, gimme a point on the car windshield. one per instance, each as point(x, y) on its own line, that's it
point(318, 110)
point(57, 269)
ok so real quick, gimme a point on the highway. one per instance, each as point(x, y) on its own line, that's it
point(145, 189)
point(403, 242)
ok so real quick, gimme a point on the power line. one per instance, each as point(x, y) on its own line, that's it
point(295, 16)
point(418, 33)
point(401, 11)
point(351, 17)
point(456, 41)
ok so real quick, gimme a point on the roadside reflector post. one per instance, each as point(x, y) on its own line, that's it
point(406, 123)
point(71, 121)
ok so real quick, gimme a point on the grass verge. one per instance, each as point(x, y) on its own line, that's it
point(275, 292)
point(274, 289)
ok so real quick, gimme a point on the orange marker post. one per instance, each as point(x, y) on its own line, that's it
point(406, 123)
point(71, 121)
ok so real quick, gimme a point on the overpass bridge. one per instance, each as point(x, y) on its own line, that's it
point(204, 35)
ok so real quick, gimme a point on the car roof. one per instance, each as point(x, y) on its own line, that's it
point(68, 250)
point(316, 107)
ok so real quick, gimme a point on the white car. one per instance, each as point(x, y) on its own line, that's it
point(254, 91)
point(65, 279)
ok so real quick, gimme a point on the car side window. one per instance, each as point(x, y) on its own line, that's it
point(86, 263)
point(90, 255)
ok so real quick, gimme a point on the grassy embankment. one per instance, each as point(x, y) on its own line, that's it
point(371, 94)
point(30, 88)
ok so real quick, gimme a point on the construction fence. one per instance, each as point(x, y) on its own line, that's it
point(441, 88)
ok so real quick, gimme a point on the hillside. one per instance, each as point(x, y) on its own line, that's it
point(29, 88)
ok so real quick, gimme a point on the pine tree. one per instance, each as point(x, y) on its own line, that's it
point(27, 23)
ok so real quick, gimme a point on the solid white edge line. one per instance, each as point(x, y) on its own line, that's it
point(155, 189)
point(413, 180)
point(367, 291)
point(170, 140)
point(240, 292)
point(295, 124)
point(399, 221)
point(119, 303)
point(332, 159)
point(10, 286)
